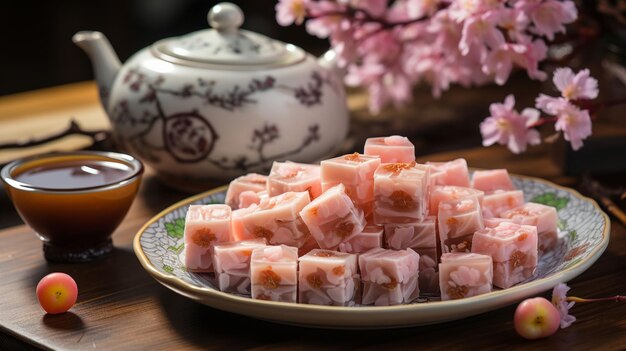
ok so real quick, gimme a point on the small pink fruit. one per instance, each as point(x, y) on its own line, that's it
point(57, 292)
point(536, 318)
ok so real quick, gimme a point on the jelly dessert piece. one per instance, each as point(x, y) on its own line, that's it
point(401, 193)
point(457, 222)
point(494, 221)
point(249, 197)
point(464, 275)
point(450, 173)
point(391, 149)
point(276, 219)
point(422, 238)
point(249, 182)
point(492, 180)
point(440, 193)
point(297, 177)
point(389, 277)
point(543, 217)
point(274, 273)
point(332, 218)
point(500, 201)
point(370, 238)
point(513, 248)
point(356, 173)
point(412, 235)
point(205, 225)
point(328, 278)
point(231, 262)
point(237, 227)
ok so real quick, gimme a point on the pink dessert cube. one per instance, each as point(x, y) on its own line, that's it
point(491, 180)
point(356, 173)
point(249, 197)
point(328, 278)
point(332, 218)
point(389, 276)
point(401, 193)
point(494, 221)
point(231, 262)
point(412, 235)
point(276, 219)
point(541, 216)
point(391, 149)
point(274, 273)
point(464, 275)
point(457, 222)
point(439, 193)
point(249, 182)
point(500, 201)
point(512, 247)
point(371, 237)
point(296, 177)
point(237, 225)
point(450, 173)
point(205, 225)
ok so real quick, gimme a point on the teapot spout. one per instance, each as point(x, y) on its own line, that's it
point(105, 62)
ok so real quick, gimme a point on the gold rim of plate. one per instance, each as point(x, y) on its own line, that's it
point(535, 286)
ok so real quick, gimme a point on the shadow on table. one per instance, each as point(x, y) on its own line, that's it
point(117, 274)
point(64, 321)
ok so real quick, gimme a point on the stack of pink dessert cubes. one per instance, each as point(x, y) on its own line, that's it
point(372, 228)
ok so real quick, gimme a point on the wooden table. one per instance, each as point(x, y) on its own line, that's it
point(121, 307)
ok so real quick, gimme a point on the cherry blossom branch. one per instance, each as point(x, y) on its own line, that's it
point(379, 46)
point(616, 298)
point(349, 14)
point(544, 120)
point(593, 108)
point(73, 129)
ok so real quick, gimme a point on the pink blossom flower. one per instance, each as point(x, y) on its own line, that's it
point(326, 18)
point(291, 11)
point(574, 123)
point(549, 16)
point(571, 120)
point(389, 46)
point(575, 86)
point(501, 60)
point(420, 8)
point(508, 127)
point(460, 10)
point(513, 22)
point(559, 300)
point(480, 30)
point(464, 276)
point(548, 104)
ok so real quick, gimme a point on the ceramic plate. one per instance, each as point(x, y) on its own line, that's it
point(583, 227)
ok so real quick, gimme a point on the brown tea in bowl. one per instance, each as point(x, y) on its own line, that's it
point(73, 201)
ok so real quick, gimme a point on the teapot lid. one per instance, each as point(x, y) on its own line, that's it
point(226, 44)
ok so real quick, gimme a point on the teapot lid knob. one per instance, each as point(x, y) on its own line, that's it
point(225, 17)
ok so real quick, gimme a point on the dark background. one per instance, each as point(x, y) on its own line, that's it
point(36, 36)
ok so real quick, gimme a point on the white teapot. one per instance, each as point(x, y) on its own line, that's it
point(217, 103)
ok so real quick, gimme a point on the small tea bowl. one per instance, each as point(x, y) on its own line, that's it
point(73, 200)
